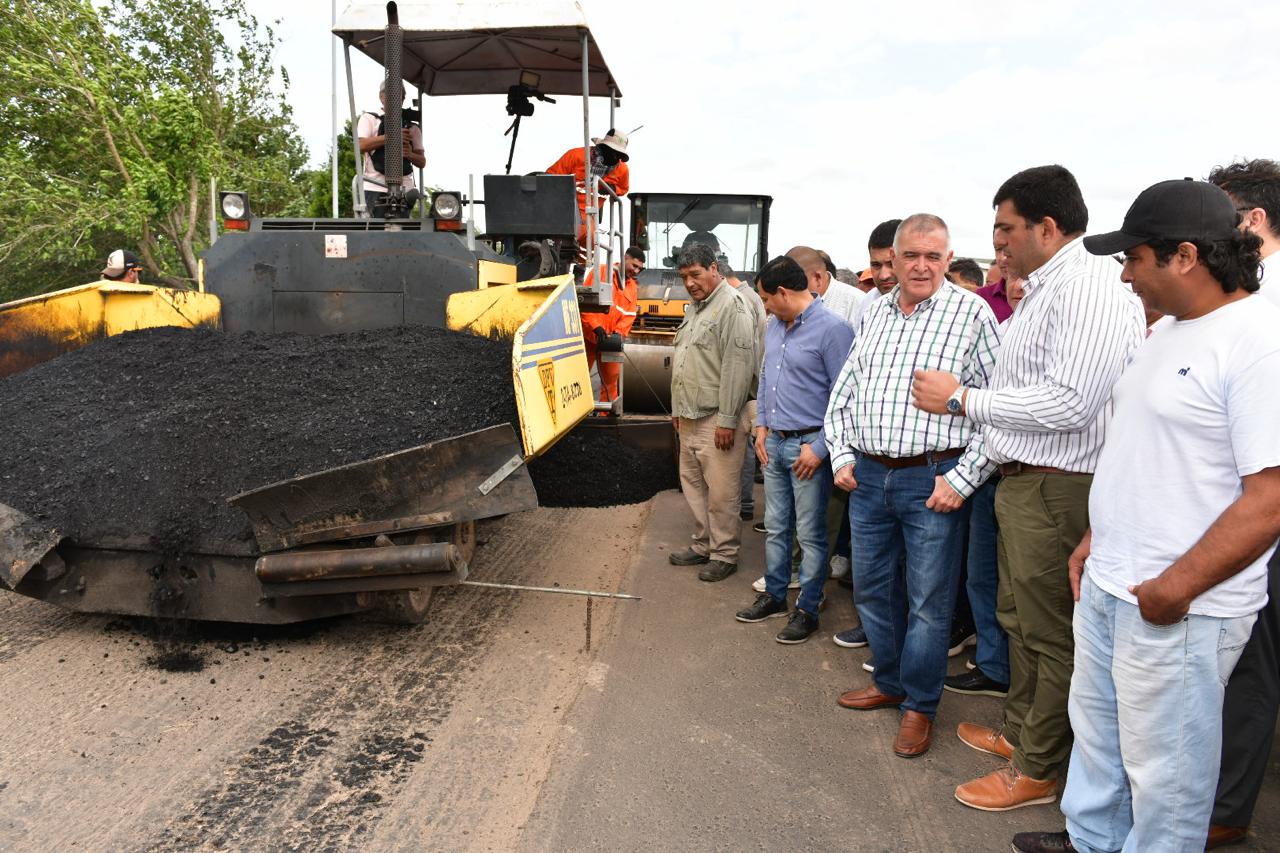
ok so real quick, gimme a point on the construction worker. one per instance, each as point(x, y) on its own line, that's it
point(122, 265)
point(603, 332)
point(608, 163)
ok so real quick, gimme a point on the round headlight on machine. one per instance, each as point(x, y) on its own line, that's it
point(446, 206)
point(235, 205)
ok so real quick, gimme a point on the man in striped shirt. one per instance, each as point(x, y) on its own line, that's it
point(1043, 419)
point(892, 457)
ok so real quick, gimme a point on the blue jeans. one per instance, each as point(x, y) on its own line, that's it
point(800, 505)
point(1146, 708)
point(887, 517)
point(984, 579)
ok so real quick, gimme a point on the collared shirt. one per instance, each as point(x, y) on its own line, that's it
point(801, 364)
point(997, 300)
point(1048, 400)
point(871, 409)
point(715, 358)
point(843, 300)
point(1269, 280)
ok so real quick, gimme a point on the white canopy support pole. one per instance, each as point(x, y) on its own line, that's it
point(589, 183)
point(333, 107)
point(422, 174)
point(615, 203)
point(357, 189)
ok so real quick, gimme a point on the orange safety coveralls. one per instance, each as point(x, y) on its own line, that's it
point(620, 317)
point(572, 163)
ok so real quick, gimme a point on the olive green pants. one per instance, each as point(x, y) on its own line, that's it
point(1042, 518)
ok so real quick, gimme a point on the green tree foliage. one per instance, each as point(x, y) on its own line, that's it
point(318, 201)
point(113, 119)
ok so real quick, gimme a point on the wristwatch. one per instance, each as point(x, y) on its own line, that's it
point(954, 402)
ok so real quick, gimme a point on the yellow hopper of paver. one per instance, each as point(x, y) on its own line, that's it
point(548, 359)
point(43, 327)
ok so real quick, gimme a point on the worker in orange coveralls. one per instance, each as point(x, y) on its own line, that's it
point(603, 332)
point(608, 162)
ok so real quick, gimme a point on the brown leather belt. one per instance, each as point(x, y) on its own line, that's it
point(927, 458)
point(1012, 469)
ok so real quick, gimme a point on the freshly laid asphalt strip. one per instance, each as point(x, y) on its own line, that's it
point(148, 433)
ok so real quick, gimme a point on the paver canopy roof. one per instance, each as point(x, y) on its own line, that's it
point(480, 48)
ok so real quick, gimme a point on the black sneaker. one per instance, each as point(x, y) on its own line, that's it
point(1043, 842)
point(799, 629)
point(717, 570)
point(766, 607)
point(758, 527)
point(975, 683)
point(854, 638)
point(960, 637)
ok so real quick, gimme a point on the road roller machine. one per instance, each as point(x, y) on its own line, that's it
point(736, 227)
point(376, 535)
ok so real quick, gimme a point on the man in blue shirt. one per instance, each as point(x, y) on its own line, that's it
point(804, 350)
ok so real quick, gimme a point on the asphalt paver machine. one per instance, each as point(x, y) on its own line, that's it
point(382, 533)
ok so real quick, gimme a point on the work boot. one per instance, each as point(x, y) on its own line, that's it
point(799, 629)
point(687, 557)
point(1043, 842)
point(1006, 789)
point(765, 607)
point(984, 739)
point(717, 570)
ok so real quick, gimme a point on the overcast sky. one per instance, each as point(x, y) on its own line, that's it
point(850, 113)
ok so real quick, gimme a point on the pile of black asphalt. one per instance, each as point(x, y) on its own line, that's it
point(145, 435)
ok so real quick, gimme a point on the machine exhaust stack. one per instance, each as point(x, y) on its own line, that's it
point(393, 121)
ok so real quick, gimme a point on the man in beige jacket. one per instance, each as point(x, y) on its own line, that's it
point(712, 374)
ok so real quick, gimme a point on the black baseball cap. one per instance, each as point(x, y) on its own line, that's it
point(1171, 210)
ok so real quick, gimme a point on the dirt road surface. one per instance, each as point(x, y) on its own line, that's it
point(510, 721)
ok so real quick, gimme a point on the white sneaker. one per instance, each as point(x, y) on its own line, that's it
point(759, 585)
point(839, 566)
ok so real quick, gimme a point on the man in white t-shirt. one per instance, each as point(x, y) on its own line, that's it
point(1184, 512)
point(1253, 694)
point(373, 140)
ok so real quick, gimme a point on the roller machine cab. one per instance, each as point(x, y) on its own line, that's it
point(736, 227)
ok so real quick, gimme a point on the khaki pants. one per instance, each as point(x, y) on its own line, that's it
point(710, 480)
point(1042, 518)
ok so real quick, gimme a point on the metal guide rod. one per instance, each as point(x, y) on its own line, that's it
point(556, 589)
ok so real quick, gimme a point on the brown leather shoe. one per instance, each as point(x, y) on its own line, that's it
point(985, 739)
point(868, 699)
point(1221, 836)
point(1006, 789)
point(913, 735)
